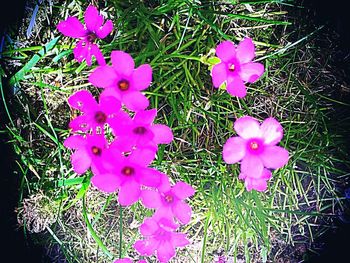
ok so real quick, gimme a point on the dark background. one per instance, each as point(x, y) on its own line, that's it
point(16, 248)
point(335, 16)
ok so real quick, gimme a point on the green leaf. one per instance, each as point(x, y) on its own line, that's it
point(32, 62)
point(93, 233)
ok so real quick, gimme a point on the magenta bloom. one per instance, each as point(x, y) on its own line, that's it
point(94, 114)
point(161, 239)
point(236, 67)
point(86, 47)
point(90, 151)
point(141, 132)
point(128, 260)
point(123, 81)
point(169, 201)
point(128, 174)
point(256, 147)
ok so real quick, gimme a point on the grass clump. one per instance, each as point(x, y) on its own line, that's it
point(177, 39)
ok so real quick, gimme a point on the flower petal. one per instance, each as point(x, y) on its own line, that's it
point(252, 166)
point(123, 260)
point(106, 182)
point(143, 156)
point(256, 184)
point(226, 51)
point(103, 77)
point(82, 100)
point(165, 251)
point(96, 52)
point(146, 247)
point(149, 177)
point(245, 50)
point(122, 63)
point(129, 193)
point(110, 105)
point(142, 77)
point(145, 117)
point(251, 72)
point(272, 131)
point(74, 142)
point(104, 30)
point(266, 174)
point(164, 185)
point(81, 161)
point(135, 101)
point(234, 150)
point(179, 240)
point(274, 157)
point(80, 123)
point(259, 185)
point(182, 211)
point(71, 27)
point(163, 212)
point(162, 133)
point(247, 127)
point(149, 227)
point(236, 87)
point(219, 74)
point(150, 199)
point(93, 19)
point(81, 51)
point(183, 190)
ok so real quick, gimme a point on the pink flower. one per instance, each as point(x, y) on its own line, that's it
point(123, 81)
point(127, 173)
point(256, 147)
point(86, 48)
point(128, 260)
point(141, 132)
point(95, 115)
point(90, 151)
point(236, 67)
point(161, 239)
point(169, 201)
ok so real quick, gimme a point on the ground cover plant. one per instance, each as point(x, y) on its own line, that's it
point(195, 117)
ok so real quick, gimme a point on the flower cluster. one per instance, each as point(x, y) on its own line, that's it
point(117, 139)
point(119, 148)
point(255, 146)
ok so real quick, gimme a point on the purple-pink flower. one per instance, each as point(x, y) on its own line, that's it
point(168, 201)
point(90, 151)
point(123, 81)
point(94, 114)
point(236, 66)
point(160, 238)
point(95, 28)
point(127, 173)
point(140, 131)
point(255, 146)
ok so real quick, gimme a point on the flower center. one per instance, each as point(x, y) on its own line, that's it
point(169, 198)
point(231, 67)
point(254, 145)
point(91, 37)
point(123, 85)
point(100, 117)
point(140, 130)
point(96, 150)
point(128, 171)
